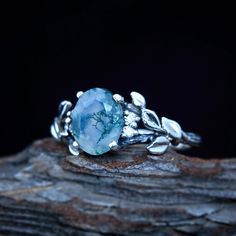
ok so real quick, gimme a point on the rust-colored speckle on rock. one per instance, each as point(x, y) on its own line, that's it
point(198, 167)
point(52, 146)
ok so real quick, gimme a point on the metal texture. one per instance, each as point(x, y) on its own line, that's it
point(142, 125)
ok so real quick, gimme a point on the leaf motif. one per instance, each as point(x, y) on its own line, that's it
point(192, 138)
point(151, 120)
point(64, 107)
point(138, 100)
point(159, 145)
point(54, 133)
point(172, 127)
point(56, 128)
point(181, 147)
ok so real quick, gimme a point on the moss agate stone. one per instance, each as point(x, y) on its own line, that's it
point(97, 120)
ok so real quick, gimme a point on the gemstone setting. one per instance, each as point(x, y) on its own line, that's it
point(97, 121)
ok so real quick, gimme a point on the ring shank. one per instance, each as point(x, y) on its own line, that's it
point(141, 126)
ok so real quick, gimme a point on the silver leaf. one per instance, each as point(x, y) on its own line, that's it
point(172, 127)
point(138, 100)
point(56, 129)
point(54, 133)
point(192, 138)
point(118, 98)
point(151, 120)
point(159, 145)
point(64, 107)
point(181, 147)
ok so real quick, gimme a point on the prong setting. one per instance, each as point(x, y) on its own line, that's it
point(114, 146)
point(74, 148)
point(78, 95)
point(118, 98)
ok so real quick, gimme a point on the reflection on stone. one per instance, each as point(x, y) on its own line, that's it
point(97, 120)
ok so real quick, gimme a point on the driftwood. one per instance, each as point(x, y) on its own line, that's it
point(45, 191)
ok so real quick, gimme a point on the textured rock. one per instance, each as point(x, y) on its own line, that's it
point(46, 191)
point(97, 121)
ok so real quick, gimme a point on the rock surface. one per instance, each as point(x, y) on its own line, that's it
point(45, 191)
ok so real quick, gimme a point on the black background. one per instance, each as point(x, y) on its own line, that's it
point(179, 55)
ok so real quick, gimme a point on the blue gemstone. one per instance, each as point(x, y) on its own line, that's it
point(97, 120)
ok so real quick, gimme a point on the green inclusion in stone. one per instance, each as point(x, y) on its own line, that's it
point(97, 120)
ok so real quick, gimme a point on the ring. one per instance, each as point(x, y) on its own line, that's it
point(100, 122)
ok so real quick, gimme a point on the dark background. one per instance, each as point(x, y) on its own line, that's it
point(180, 56)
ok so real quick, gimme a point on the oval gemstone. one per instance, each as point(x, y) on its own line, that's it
point(97, 120)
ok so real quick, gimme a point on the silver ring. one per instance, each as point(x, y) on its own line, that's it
point(100, 122)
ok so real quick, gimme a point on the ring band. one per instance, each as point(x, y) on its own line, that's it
point(101, 122)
